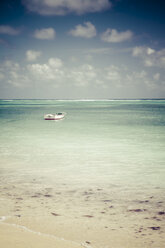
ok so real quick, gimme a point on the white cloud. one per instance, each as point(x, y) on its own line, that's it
point(141, 51)
point(156, 76)
point(140, 78)
point(14, 74)
point(149, 56)
point(55, 74)
point(142, 75)
point(114, 76)
point(150, 51)
point(55, 62)
point(53, 70)
point(64, 7)
point(41, 71)
point(113, 73)
point(83, 75)
point(86, 31)
point(148, 62)
point(137, 51)
point(113, 36)
point(4, 29)
point(9, 64)
point(125, 79)
point(45, 34)
point(32, 55)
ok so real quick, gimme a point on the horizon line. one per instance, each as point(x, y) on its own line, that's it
point(85, 99)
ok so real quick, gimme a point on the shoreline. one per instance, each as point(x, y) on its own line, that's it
point(80, 217)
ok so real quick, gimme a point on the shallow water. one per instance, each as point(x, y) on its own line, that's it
point(94, 179)
point(117, 142)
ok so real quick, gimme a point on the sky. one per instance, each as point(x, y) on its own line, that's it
point(82, 49)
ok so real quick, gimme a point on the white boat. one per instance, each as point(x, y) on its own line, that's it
point(57, 116)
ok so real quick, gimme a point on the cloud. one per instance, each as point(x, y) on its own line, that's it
point(14, 74)
point(139, 51)
point(150, 51)
point(149, 56)
point(113, 74)
point(64, 7)
point(55, 63)
point(4, 29)
point(32, 55)
point(141, 78)
point(45, 34)
point(9, 64)
point(83, 75)
point(52, 70)
point(86, 31)
point(130, 80)
point(156, 76)
point(113, 36)
point(54, 73)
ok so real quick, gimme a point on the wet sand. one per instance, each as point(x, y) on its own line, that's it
point(36, 214)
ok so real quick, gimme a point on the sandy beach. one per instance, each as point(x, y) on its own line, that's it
point(33, 214)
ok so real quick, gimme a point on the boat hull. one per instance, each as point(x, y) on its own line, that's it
point(54, 117)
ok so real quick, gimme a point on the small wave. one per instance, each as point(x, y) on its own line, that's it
point(3, 218)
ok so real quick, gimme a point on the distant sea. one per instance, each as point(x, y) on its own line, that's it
point(118, 142)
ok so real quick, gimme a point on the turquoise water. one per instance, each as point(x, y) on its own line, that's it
point(98, 142)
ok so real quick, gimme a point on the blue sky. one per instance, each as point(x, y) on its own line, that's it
point(82, 49)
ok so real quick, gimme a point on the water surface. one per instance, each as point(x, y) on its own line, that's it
point(98, 142)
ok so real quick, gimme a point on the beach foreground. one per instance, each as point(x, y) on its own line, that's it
point(33, 214)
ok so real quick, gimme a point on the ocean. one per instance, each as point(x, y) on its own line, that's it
point(120, 142)
point(95, 179)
